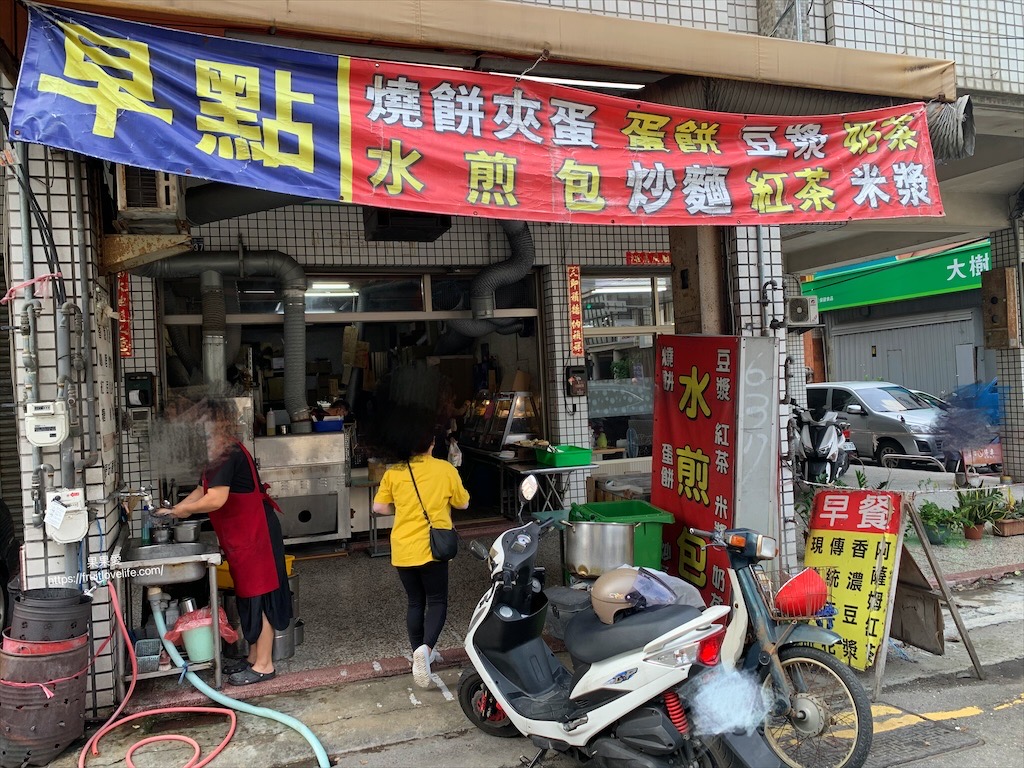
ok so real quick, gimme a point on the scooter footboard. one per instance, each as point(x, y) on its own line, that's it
point(511, 642)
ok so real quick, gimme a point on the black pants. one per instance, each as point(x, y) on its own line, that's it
point(427, 589)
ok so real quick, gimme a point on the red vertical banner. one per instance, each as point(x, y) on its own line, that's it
point(695, 451)
point(575, 311)
point(124, 314)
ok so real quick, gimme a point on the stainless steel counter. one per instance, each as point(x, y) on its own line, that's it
point(307, 475)
point(154, 565)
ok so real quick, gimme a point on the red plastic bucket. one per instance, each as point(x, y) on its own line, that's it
point(40, 647)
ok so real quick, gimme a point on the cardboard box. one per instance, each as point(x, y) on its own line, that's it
point(348, 345)
point(362, 359)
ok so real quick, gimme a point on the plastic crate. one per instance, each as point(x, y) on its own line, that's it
point(564, 456)
point(647, 518)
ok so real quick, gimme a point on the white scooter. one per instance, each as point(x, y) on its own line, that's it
point(820, 446)
point(621, 707)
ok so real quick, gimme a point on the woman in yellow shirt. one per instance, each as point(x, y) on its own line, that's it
point(439, 486)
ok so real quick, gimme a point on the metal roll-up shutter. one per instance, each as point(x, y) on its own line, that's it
point(10, 462)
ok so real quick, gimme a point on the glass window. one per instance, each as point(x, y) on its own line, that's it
point(841, 398)
point(816, 399)
point(364, 294)
point(448, 293)
point(620, 361)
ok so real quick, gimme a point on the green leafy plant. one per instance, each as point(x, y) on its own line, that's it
point(622, 369)
point(934, 516)
point(980, 506)
point(1011, 509)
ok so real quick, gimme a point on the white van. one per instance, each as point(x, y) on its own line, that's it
point(885, 419)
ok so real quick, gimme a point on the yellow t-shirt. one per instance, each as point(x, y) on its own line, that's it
point(440, 487)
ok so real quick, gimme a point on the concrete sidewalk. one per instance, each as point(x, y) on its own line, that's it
point(375, 718)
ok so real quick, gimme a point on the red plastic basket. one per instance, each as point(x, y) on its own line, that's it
point(793, 596)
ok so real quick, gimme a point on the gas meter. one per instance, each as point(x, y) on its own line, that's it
point(47, 423)
point(67, 519)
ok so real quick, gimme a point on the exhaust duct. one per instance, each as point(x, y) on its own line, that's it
point(293, 285)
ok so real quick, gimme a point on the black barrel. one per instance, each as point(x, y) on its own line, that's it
point(35, 729)
point(50, 614)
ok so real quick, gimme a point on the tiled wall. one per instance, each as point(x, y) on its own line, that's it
point(52, 174)
point(709, 14)
point(984, 37)
point(1008, 251)
point(754, 263)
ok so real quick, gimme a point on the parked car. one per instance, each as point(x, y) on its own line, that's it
point(981, 395)
point(932, 400)
point(885, 419)
point(9, 564)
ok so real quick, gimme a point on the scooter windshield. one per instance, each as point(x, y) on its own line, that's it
point(649, 590)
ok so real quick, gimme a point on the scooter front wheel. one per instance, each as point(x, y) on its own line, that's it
point(829, 725)
point(482, 708)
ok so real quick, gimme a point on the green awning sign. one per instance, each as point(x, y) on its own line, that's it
point(958, 269)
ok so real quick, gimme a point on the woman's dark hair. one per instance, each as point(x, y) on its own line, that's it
point(402, 432)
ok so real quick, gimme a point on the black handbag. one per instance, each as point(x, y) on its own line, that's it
point(444, 542)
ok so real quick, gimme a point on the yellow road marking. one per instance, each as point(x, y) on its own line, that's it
point(953, 713)
point(1007, 705)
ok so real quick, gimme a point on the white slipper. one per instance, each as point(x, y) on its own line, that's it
point(421, 667)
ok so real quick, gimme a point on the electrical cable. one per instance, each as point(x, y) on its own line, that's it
point(931, 28)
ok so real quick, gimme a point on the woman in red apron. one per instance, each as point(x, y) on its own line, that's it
point(245, 520)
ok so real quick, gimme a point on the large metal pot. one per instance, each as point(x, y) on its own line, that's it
point(594, 548)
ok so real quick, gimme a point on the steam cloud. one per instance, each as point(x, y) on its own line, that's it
point(728, 700)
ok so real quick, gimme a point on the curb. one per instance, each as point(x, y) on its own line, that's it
point(966, 578)
point(454, 657)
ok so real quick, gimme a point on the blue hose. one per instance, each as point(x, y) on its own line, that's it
point(321, 754)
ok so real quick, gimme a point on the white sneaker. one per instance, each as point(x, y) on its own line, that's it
point(421, 666)
point(434, 656)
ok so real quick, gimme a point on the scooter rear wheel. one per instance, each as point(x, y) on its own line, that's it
point(481, 707)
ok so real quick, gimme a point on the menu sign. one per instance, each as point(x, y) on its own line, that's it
point(854, 542)
point(575, 311)
point(695, 419)
point(124, 312)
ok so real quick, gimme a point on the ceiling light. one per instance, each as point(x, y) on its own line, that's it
point(317, 286)
point(259, 293)
point(627, 289)
point(318, 294)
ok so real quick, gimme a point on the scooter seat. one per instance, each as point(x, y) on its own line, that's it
point(589, 639)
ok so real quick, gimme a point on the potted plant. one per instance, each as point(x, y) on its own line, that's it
point(1011, 520)
point(940, 523)
point(978, 507)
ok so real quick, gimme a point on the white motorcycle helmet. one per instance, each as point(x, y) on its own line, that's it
point(626, 590)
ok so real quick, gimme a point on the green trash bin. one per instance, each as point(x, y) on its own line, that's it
point(647, 518)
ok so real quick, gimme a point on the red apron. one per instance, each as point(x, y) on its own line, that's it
point(241, 528)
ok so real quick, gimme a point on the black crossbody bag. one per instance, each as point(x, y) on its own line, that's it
point(444, 542)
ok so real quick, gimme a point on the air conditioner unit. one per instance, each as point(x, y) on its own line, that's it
point(149, 202)
point(802, 311)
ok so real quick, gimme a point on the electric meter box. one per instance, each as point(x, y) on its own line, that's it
point(47, 423)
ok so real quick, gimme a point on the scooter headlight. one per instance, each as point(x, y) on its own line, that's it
point(767, 548)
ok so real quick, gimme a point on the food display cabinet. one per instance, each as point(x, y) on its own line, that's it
point(493, 422)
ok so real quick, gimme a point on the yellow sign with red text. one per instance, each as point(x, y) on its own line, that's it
point(854, 542)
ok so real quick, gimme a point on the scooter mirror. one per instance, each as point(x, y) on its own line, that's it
point(528, 488)
point(478, 549)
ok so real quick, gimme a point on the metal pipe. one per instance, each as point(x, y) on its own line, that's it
point(211, 288)
point(32, 378)
point(86, 316)
point(293, 281)
point(65, 381)
point(762, 300)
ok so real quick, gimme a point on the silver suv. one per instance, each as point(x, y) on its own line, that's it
point(885, 419)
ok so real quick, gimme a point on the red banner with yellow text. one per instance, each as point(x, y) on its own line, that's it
point(694, 452)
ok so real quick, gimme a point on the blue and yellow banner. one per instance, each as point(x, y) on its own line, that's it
point(452, 141)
